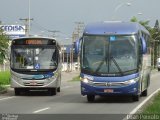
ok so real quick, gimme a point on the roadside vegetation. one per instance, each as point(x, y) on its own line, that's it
point(153, 106)
point(4, 44)
point(4, 80)
point(155, 38)
point(4, 77)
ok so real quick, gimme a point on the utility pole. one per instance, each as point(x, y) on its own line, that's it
point(76, 35)
point(27, 26)
point(54, 33)
point(79, 28)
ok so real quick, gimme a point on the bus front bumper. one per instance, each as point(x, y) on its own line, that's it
point(132, 89)
point(33, 83)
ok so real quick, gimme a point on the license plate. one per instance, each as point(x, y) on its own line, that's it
point(33, 83)
point(108, 90)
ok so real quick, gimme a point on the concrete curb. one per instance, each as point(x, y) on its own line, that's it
point(5, 89)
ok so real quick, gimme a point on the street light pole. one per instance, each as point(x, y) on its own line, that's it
point(140, 13)
point(118, 7)
point(29, 16)
point(27, 21)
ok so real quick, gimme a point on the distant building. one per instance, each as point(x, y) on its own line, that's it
point(67, 50)
point(69, 58)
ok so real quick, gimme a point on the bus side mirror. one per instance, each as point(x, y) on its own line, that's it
point(77, 45)
point(144, 46)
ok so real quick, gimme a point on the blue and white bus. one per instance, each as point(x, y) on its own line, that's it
point(115, 60)
point(35, 63)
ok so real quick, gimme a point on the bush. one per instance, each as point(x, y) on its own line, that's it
point(4, 77)
point(153, 106)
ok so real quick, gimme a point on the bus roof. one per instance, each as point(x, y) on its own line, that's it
point(114, 27)
point(34, 37)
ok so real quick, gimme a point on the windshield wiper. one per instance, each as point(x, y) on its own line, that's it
point(115, 62)
point(99, 67)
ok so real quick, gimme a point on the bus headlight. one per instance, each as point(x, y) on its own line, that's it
point(87, 81)
point(132, 81)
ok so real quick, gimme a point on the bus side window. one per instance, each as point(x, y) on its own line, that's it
point(140, 52)
point(57, 56)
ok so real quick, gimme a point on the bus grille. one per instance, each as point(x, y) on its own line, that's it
point(109, 84)
point(33, 84)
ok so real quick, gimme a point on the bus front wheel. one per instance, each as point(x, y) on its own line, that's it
point(145, 92)
point(90, 98)
point(17, 91)
point(58, 89)
point(135, 97)
point(52, 91)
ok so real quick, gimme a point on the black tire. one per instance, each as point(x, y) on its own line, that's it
point(17, 91)
point(145, 93)
point(135, 97)
point(52, 91)
point(58, 89)
point(90, 98)
point(158, 69)
point(26, 91)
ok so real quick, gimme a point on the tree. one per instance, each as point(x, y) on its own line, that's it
point(134, 19)
point(156, 26)
point(4, 43)
point(143, 23)
point(155, 34)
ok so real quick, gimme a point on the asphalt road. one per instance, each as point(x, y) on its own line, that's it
point(69, 104)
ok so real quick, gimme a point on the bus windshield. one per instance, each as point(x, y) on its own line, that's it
point(33, 58)
point(109, 55)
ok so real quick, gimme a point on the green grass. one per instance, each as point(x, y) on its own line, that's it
point(153, 107)
point(4, 77)
point(77, 78)
point(4, 80)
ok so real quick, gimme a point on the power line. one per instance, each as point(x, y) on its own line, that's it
point(54, 32)
point(40, 26)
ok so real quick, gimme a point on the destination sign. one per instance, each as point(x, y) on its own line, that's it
point(33, 41)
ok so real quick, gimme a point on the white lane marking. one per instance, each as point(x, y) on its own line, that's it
point(6, 98)
point(144, 101)
point(141, 104)
point(40, 110)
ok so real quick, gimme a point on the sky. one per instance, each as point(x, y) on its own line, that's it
point(61, 15)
